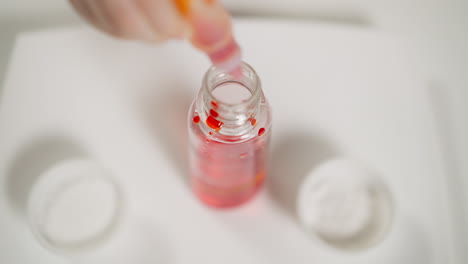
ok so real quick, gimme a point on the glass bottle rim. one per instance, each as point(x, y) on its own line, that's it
point(246, 71)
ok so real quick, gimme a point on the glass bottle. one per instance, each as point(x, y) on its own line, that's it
point(229, 130)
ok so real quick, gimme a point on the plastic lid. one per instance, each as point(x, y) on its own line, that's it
point(345, 204)
point(74, 206)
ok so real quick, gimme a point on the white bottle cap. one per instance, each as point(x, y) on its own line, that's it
point(345, 204)
point(73, 206)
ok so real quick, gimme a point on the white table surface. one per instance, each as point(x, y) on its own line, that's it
point(361, 91)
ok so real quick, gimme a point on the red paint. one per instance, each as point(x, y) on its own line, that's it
point(261, 131)
point(213, 123)
point(214, 104)
point(196, 119)
point(211, 133)
point(253, 121)
point(214, 113)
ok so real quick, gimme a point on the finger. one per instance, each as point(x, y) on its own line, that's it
point(163, 17)
point(82, 7)
point(89, 11)
point(99, 13)
point(126, 20)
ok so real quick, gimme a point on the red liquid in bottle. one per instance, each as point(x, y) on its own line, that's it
point(227, 174)
point(229, 147)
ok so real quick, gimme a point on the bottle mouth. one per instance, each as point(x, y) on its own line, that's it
point(231, 100)
point(247, 79)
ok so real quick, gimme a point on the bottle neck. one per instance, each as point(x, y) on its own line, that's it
point(230, 104)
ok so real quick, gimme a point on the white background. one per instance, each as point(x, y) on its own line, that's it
point(365, 100)
point(438, 28)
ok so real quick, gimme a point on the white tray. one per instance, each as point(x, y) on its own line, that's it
point(334, 91)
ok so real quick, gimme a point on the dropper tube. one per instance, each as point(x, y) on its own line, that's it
point(210, 30)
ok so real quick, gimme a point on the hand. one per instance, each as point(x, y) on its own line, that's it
point(148, 20)
point(204, 22)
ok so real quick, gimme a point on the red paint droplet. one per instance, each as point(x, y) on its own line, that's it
point(261, 131)
point(253, 121)
point(214, 113)
point(214, 124)
point(196, 119)
point(211, 133)
point(214, 104)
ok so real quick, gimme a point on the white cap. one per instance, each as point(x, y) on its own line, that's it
point(73, 206)
point(344, 203)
